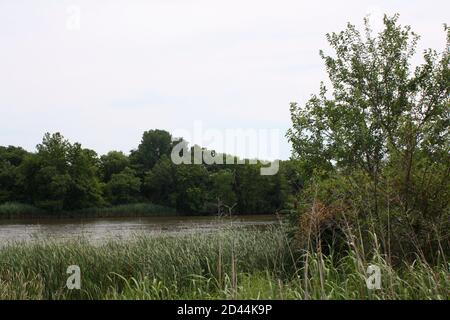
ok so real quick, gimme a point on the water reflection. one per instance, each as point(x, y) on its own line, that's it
point(119, 228)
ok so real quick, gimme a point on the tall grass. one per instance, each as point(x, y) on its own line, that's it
point(128, 210)
point(20, 210)
point(231, 264)
point(12, 210)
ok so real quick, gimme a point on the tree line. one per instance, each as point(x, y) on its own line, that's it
point(63, 176)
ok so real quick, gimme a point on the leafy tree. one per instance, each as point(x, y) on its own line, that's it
point(154, 144)
point(53, 151)
point(7, 181)
point(124, 187)
point(112, 163)
point(378, 142)
point(61, 176)
point(159, 183)
point(191, 183)
point(222, 192)
point(10, 159)
point(249, 190)
point(379, 110)
point(86, 189)
point(274, 193)
point(13, 155)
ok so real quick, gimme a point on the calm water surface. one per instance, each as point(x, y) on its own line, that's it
point(102, 229)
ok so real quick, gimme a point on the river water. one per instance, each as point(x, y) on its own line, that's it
point(102, 229)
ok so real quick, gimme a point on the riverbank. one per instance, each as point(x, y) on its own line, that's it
point(230, 264)
point(25, 211)
point(13, 210)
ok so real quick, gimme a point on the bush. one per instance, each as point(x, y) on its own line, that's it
point(337, 210)
point(230, 264)
point(20, 210)
point(127, 210)
point(379, 138)
point(11, 210)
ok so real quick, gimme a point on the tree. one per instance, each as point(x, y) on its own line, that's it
point(250, 190)
point(10, 160)
point(61, 176)
point(8, 181)
point(274, 192)
point(159, 183)
point(13, 155)
point(191, 183)
point(124, 187)
point(378, 111)
point(154, 144)
point(223, 191)
point(378, 143)
point(112, 163)
point(85, 189)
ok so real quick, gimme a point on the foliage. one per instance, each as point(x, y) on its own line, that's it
point(11, 210)
point(154, 144)
point(139, 209)
point(159, 182)
point(124, 187)
point(63, 176)
point(113, 162)
point(10, 159)
point(230, 264)
point(378, 144)
point(222, 191)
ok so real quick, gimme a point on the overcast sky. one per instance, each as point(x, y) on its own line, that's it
point(138, 65)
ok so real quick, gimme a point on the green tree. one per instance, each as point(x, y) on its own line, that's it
point(124, 187)
point(85, 189)
point(8, 181)
point(112, 163)
point(159, 183)
point(10, 160)
point(13, 155)
point(222, 191)
point(61, 176)
point(378, 142)
point(191, 183)
point(154, 144)
point(379, 110)
point(249, 189)
point(274, 192)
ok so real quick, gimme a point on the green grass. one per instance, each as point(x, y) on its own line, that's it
point(127, 210)
point(12, 210)
point(20, 210)
point(230, 264)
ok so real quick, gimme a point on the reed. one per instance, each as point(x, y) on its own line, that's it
point(231, 264)
point(13, 210)
point(20, 210)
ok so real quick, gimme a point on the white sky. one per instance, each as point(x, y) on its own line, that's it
point(139, 65)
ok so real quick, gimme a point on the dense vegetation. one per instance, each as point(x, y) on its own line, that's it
point(368, 183)
point(377, 146)
point(65, 178)
point(232, 264)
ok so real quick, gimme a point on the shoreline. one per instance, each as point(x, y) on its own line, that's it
point(18, 211)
